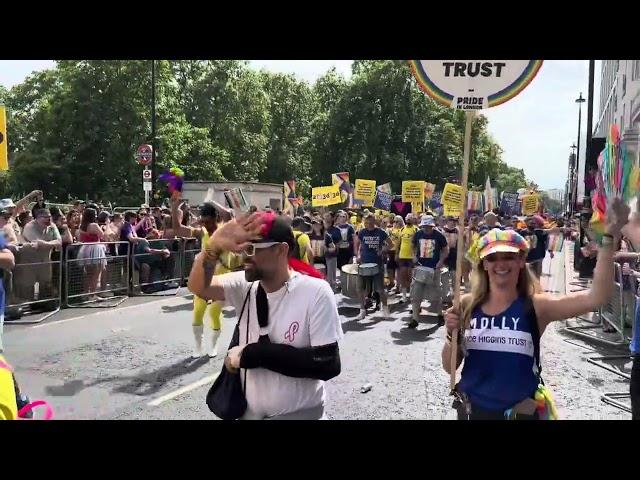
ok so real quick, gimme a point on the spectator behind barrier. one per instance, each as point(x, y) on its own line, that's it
point(42, 237)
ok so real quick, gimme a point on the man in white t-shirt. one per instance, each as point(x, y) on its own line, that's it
point(293, 322)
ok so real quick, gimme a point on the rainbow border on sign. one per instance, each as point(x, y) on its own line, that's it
point(504, 95)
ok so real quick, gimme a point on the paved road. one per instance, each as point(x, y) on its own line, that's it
point(133, 362)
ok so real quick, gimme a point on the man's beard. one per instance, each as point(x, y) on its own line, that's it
point(254, 274)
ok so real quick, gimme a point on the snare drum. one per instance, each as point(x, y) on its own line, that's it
point(368, 270)
point(423, 274)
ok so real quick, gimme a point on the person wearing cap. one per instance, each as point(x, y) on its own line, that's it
point(432, 251)
point(370, 244)
point(538, 239)
point(302, 249)
point(14, 209)
point(490, 222)
point(405, 255)
point(450, 232)
point(211, 214)
point(503, 318)
point(392, 263)
point(292, 318)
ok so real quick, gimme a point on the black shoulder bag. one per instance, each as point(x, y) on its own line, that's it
point(226, 397)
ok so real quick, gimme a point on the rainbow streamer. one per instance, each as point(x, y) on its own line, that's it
point(617, 177)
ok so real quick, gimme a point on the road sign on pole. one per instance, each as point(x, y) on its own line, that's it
point(146, 175)
point(144, 154)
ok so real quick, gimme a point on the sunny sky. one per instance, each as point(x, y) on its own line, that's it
point(535, 129)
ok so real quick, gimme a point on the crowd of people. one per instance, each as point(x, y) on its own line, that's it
point(39, 235)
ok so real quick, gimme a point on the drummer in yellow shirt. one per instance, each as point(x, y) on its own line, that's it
point(405, 256)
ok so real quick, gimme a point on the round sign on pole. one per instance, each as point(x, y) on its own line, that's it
point(146, 174)
point(474, 84)
point(144, 154)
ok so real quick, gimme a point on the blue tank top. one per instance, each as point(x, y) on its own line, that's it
point(499, 368)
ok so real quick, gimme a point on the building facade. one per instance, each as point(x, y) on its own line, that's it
point(620, 101)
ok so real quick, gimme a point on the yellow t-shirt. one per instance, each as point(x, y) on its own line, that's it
point(8, 404)
point(394, 234)
point(406, 242)
point(303, 241)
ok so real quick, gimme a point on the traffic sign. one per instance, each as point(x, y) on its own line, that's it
point(144, 154)
point(146, 174)
point(146, 186)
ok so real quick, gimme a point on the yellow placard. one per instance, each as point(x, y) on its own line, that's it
point(365, 191)
point(429, 188)
point(325, 196)
point(413, 191)
point(4, 159)
point(450, 211)
point(417, 207)
point(529, 204)
point(452, 196)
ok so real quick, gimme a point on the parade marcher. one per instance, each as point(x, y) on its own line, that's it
point(370, 245)
point(506, 315)
point(490, 222)
point(537, 238)
point(302, 250)
point(286, 344)
point(405, 256)
point(332, 235)
point(432, 251)
point(210, 215)
point(450, 232)
point(392, 263)
point(471, 236)
point(345, 241)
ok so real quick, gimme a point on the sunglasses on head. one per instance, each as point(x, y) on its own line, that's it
point(502, 256)
point(250, 250)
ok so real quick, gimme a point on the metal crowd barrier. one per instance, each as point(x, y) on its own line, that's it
point(153, 274)
point(96, 274)
point(192, 247)
point(35, 283)
point(612, 313)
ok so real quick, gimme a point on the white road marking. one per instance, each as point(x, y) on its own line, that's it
point(107, 310)
point(181, 391)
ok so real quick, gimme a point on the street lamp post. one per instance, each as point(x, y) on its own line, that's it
point(571, 183)
point(579, 101)
point(153, 128)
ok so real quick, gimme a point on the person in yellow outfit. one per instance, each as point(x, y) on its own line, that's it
point(8, 402)
point(406, 255)
point(303, 249)
point(210, 215)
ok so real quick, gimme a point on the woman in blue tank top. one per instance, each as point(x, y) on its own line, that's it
point(504, 316)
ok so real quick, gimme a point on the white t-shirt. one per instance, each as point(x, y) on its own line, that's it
point(303, 313)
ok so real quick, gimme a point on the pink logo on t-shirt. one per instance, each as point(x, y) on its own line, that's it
point(291, 333)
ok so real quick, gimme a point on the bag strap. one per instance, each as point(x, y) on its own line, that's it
point(530, 311)
point(246, 338)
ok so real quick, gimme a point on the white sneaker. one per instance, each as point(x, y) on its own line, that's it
point(385, 311)
point(363, 314)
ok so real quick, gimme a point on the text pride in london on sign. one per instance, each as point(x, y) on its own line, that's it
point(325, 196)
point(474, 84)
point(413, 191)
